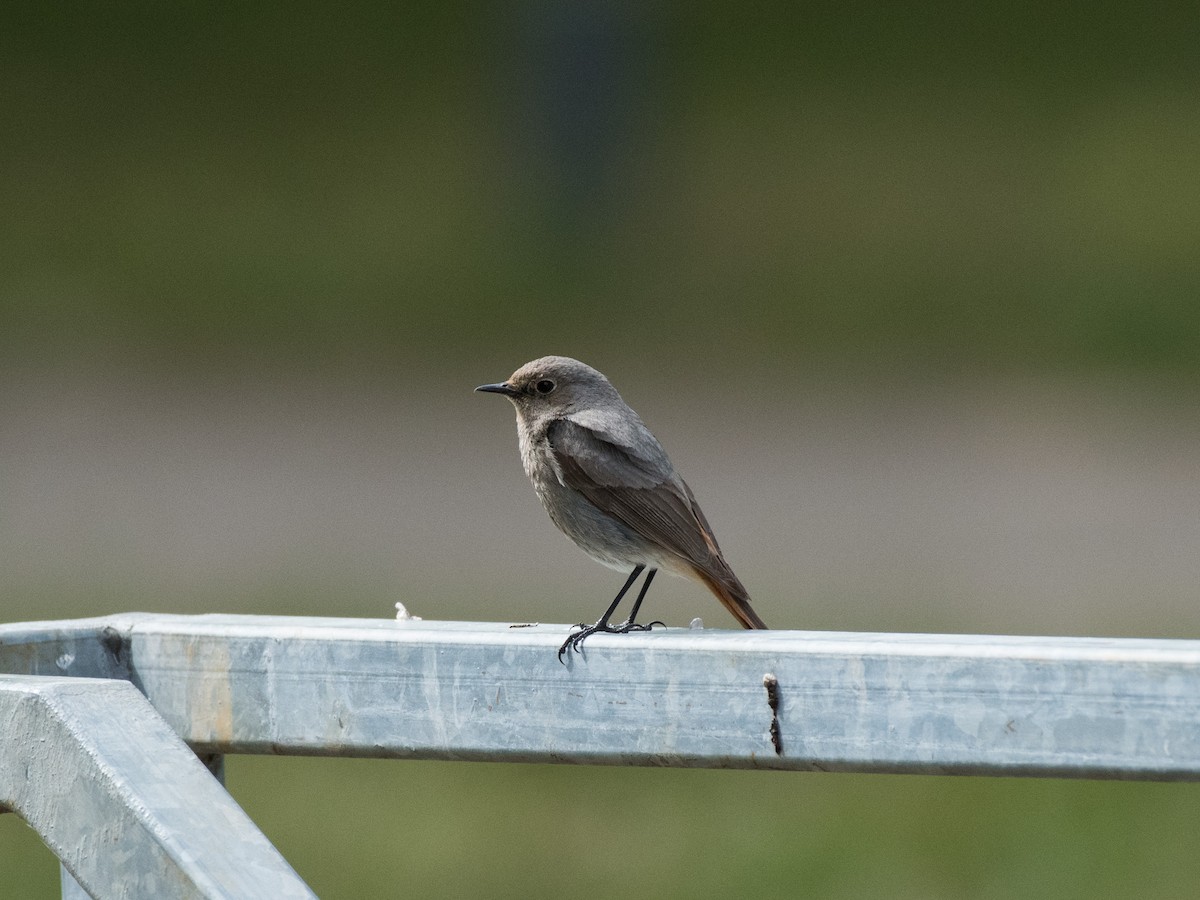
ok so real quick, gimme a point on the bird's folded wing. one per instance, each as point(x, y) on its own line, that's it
point(641, 493)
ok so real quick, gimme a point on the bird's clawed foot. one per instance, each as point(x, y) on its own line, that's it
point(575, 641)
point(627, 626)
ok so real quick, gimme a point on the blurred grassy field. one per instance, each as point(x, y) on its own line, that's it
point(366, 828)
point(985, 189)
point(841, 193)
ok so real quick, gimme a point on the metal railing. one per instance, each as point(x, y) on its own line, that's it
point(107, 721)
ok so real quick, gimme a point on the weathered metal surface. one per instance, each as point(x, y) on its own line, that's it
point(91, 648)
point(71, 889)
point(988, 705)
point(124, 804)
point(892, 703)
point(1104, 708)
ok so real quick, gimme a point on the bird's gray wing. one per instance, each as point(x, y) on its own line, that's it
point(644, 494)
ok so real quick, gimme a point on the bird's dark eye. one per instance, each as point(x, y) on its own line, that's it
point(544, 386)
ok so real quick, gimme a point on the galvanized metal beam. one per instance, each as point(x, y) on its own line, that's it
point(984, 705)
point(124, 804)
point(89, 648)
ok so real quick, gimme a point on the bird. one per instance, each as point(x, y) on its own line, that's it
point(609, 486)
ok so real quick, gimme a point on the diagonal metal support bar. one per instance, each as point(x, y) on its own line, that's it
point(124, 804)
point(983, 705)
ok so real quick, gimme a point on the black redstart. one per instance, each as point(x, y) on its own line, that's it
point(608, 485)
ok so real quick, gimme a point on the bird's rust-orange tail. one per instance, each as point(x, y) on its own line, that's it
point(733, 594)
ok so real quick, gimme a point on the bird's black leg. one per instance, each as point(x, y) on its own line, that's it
point(574, 641)
point(629, 625)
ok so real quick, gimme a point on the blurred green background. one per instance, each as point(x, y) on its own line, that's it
point(909, 292)
point(990, 186)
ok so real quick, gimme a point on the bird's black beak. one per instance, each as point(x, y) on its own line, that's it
point(502, 388)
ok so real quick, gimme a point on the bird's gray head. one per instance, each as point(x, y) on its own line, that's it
point(555, 386)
